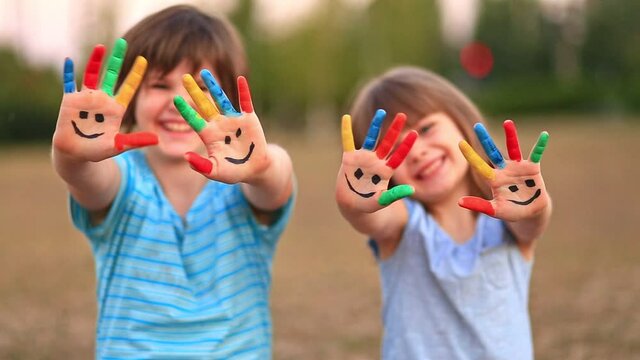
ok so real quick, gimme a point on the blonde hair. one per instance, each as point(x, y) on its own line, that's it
point(417, 93)
point(183, 32)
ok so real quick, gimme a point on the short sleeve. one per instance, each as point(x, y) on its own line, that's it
point(81, 216)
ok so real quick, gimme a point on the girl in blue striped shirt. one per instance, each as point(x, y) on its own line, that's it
point(183, 261)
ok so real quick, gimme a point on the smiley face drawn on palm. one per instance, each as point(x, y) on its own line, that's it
point(364, 176)
point(516, 184)
point(235, 142)
point(89, 120)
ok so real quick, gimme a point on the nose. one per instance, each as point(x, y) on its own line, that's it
point(417, 152)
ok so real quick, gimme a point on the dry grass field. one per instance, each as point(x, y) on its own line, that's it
point(585, 292)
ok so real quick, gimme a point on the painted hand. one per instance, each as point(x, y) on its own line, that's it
point(364, 175)
point(517, 185)
point(235, 142)
point(88, 126)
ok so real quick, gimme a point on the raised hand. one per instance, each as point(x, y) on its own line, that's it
point(517, 186)
point(88, 126)
point(235, 142)
point(364, 175)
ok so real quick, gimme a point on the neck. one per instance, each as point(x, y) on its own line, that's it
point(456, 221)
point(180, 184)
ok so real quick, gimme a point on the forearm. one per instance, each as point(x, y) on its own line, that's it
point(385, 225)
point(271, 189)
point(529, 229)
point(92, 184)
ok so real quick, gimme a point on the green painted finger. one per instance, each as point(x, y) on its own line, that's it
point(536, 152)
point(114, 65)
point(396, 193)
point(192, 117)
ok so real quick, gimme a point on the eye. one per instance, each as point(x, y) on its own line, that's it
point(375, 179)
point(424, 129)
point(238, 132)
point(160, 85)
point(84, 114)
point(227, 140)
point(358, 174)
point(99, 118)
point(513, 188)
point(530, 183)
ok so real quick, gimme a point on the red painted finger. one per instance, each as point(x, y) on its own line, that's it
point(244, 94)
point(391, 136)
point(135, 140)
point(402, 151)
point(198, 163)
point(513, 146)
point(92, 72)
point(477, 204)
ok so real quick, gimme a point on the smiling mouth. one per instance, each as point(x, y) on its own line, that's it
point(92, 136)
point(366, 196)
point(527, 202)
point(244, 159)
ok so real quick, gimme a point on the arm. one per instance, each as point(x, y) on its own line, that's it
point(237, 151)
point(87, 131)
point(519, 194)
point(363, 178)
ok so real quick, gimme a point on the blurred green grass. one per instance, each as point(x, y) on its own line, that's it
point(325, 298)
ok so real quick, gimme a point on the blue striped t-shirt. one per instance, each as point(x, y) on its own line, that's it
point(181, 288)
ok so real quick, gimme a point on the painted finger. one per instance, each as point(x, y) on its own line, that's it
point(114, 65)
point(538, 149)
point(132, 82)
point(374, 130)
point(198, 163)
point(134, 140)
point(402, 151)
point(92, 72)
point(221, 99)
point(347, 134)
point(391, 136)
point(513, 146)
point(192, 117)
point(476, 161)
point(395, 193)
point(68, 77)
point(204, 105)
point(489, 146)
point(244, 95)
point(477, 204)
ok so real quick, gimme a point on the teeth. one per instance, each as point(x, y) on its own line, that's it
point(177, 127)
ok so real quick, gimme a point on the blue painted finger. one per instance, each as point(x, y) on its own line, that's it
point(67, 77)
point(489, 146)
point(220, 98)
point(374, 130)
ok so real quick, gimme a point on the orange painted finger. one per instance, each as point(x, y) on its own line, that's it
point(132, 81)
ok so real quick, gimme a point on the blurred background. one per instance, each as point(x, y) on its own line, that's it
point(571, 67)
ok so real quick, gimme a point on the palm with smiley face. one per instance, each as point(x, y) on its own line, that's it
point(516, 184)
point(234, 141)
point(88, 126)
point(364, 176)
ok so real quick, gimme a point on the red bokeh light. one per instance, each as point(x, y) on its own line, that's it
point(477, 59)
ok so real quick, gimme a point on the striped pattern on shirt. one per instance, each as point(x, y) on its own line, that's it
point(177, 288)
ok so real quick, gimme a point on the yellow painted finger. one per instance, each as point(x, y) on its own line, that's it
point(132, 81)
point(204, 105)
point(476, 161)
point(347, 134)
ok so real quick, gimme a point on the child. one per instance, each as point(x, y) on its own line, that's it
point(183, 263)
point(454, 282)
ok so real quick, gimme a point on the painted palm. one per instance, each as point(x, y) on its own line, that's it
point(517, 187)
point(364, 175)
point(88, 125)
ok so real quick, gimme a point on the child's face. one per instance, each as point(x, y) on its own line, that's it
point(156, 113)
point(435, 167)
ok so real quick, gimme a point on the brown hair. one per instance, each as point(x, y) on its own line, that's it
point(417, 93)
point(183, 32)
